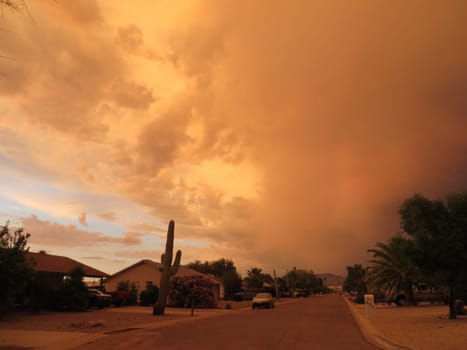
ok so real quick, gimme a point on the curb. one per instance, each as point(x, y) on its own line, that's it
point(371, 334)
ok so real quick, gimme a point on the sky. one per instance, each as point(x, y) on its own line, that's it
point(276, 134)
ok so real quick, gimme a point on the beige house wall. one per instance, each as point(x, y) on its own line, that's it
point(146, 272)
point(140, 275)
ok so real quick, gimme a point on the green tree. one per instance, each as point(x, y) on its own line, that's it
point(224, 269)
point(306, 280)
point(268, 278)
point(283, 283)
point(439, 231)
point(232, 283)
point(216, 268)
point(392, 268)
point(221, 266)
point(149, 295)
point(121, 298)
point(74, 293)
point(200, 266)
point(124, 285)
point(16, 271)
point(255, 278)
point(355, 281)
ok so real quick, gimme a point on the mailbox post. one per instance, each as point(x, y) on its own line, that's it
point(369, 305)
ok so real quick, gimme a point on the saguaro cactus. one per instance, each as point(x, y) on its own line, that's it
point(167, 270)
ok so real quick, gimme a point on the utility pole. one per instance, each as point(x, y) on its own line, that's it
point(275, 284)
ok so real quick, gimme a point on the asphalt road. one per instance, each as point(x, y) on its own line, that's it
point(319, 322)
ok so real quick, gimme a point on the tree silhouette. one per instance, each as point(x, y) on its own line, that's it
point(356, 281)
point(255, 278)
point(392, 268)
point(15, 270)
point(224, 269)
point(439, 231)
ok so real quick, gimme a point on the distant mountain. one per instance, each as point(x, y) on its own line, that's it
point(330, 279)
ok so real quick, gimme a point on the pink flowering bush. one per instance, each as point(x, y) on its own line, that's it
point(187, 290)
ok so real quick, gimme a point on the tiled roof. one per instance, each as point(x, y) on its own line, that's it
point(61, 264)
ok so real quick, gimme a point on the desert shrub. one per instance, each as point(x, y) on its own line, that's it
point(196, 291)
point(360, 299)
point(43, 292)
point(459, 307)
point(73, 294)
point(149, 295)
point(134, 294)
point(380, 296)
point(130, 287)
point(124, 285)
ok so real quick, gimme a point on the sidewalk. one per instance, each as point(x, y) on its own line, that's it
point(371, 333)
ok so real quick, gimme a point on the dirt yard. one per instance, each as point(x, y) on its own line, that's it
point(422, 327)
point(103, 321)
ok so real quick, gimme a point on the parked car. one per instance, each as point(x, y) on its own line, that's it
point(240, 296)
point(99, 299)
point(422, 293)
point(300, 293)
point(262, 300)
point(120, 297)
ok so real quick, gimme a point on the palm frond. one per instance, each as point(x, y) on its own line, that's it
point(391, 267)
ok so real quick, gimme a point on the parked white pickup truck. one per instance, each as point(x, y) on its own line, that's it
point(422, 293)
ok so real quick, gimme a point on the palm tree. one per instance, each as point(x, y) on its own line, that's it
point(392, 269)
point(356, 282)
point(255, 278)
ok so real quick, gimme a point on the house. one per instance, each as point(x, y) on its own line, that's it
point(148, 272)
point(53, 268)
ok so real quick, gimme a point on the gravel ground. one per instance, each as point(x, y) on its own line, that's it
point(422, 327)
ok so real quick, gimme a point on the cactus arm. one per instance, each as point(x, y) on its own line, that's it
point(176, 263)
point(169, 245)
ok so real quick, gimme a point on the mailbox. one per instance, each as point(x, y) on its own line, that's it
point(369, 305)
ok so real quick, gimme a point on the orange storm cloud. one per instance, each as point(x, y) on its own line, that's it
point(275, 134)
